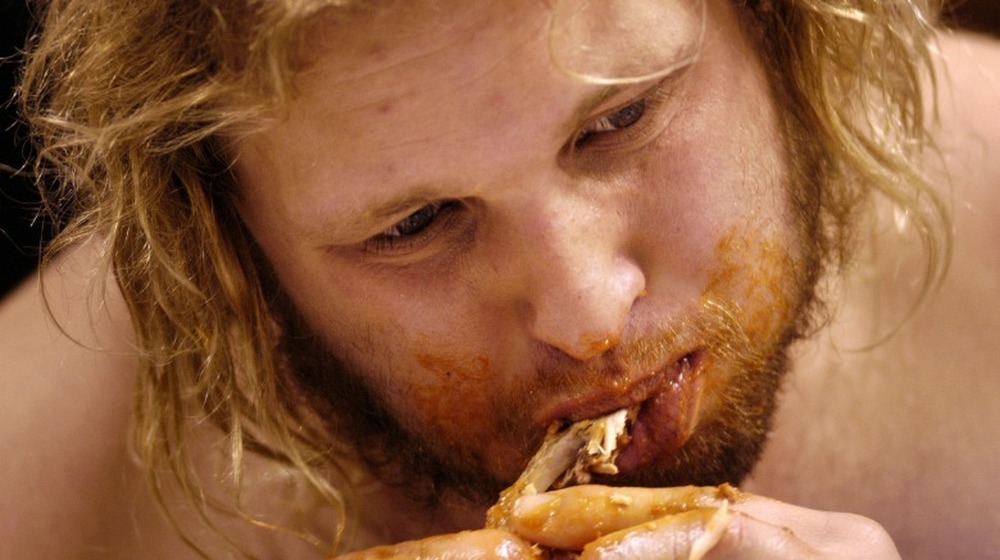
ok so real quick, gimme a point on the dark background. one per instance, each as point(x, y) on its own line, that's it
point(21, 233)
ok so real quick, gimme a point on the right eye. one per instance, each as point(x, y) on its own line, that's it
point(416, 228)
point(415, 222)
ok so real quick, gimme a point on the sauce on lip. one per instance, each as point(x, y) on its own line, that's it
point(665, 421)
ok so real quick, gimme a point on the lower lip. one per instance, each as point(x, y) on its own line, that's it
point(664, 423)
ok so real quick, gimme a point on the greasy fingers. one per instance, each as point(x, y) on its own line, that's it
point(689, 536)
point(573, 517)
point(770, 529)
point(692, 523)
point(486, 544)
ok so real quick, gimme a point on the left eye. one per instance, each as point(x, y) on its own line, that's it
point(618, 120)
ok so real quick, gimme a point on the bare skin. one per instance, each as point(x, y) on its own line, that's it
point(909, 426)
point(904, 434)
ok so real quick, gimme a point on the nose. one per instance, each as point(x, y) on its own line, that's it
point(582, 308)
point(581, 284)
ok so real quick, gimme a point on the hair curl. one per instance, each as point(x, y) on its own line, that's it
point(127, 101)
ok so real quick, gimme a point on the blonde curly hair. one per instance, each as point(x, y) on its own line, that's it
point(128, 101)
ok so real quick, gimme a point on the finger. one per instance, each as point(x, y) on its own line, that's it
point(828, 533)
point(695, 535)
point(486, 544)
point(689, 535)
point(572, 517)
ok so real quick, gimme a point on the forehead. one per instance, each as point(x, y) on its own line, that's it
point(363, 59)
point(598, 40)
point(357, 42)
point(424, 92)
point(384, 85)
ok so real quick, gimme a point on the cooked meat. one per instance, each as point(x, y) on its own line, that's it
point(568, 456)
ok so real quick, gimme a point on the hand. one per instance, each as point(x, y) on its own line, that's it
point(689, 523)
point(467, 545)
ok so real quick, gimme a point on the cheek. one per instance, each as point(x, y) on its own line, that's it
point(757, 259)
point(452, 396)
point(708, 199)
point(426, 354)
point(458, 404)
point(723, 198)
point(763, 277)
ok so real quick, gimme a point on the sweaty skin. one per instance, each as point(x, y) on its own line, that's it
point(908, 424)
point(904, 434)
point(536, 250)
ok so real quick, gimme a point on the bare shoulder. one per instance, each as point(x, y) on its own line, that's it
point(904, 428)
point(66, 405)
point(969, 64)
point(70, 487)
point(968, 129)
point(968, 136)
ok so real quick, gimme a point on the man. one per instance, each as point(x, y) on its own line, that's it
point(370, 254)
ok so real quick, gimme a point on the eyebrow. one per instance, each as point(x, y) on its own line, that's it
point(413, 198)
point(350, 226)
point(393, 206)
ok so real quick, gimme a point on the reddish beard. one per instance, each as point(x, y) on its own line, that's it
point(746, 376)
point(746, 358)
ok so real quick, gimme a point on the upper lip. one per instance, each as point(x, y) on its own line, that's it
point(629, 390)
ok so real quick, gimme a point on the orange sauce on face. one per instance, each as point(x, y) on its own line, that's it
point(600, 344)
point(760, 275)
point(451, 368)
point(759, 284)
point(456, 400)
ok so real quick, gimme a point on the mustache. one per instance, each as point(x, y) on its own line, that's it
point(714, 327)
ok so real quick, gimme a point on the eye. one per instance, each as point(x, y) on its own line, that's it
point(416, 228)
point(415, 222)
point(612, 122)
point(631, 125)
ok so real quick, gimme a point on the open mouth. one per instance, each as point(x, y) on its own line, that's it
point(666, 418)
point(621, 441)
point(650, 421)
